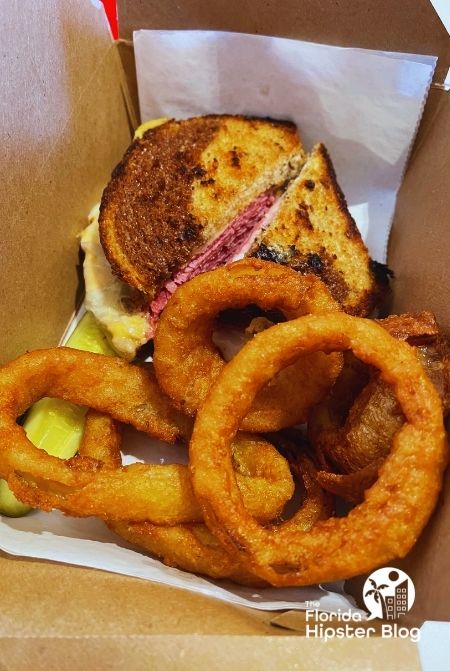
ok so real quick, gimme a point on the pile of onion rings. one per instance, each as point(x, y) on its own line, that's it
point(396, 507)
point(192, 546)
point(352, 430)
point(187, 362)
point(82, 486)
point(228, 513)
point(150, 505)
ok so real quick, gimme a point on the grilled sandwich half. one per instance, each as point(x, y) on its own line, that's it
point(189, 195)
point(313, 232)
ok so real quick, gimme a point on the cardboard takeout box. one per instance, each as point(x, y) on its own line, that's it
point(68, 111)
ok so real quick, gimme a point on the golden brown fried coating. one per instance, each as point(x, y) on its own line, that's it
point(187, 361)
point(158, 493)
point(353, 429)
point(396, 508)
point(350, 486)
point(128, 393)
point(192, 547)
point(367, 433)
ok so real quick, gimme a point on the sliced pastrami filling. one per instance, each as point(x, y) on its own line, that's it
point(231, 244)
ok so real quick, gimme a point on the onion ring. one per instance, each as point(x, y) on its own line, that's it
point(396, 507)
point(352, 430)
point(128, 393)
point(101, 439)
point(187, 361)
point(366, 435)
point(192, 547)
point(161, 493)
point(350, 486)
point(358, 448)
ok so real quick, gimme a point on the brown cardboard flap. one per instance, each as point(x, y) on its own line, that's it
point(125, 50)
point(419, 249)
point(215, 653)
point(64, 126)
point(45, 600)
point(427, 565)
point(404, 25)
point(419, 253)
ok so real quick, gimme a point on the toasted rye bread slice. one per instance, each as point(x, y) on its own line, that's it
point(181, 184)
point(313, 232)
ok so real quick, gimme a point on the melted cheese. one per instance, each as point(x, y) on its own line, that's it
point(147, 125)
point(106, 295)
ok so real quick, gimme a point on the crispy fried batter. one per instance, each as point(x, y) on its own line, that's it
point(349, 486)
point(161, 493)
point(187, 362)
point(263, 480)
point(367, 434)
point(352, 431)
point(414, 327)
point(158, 493)
point(194, 548)
point(191, 547)
point(109, 384)
point(423, 331)
point(396, 508)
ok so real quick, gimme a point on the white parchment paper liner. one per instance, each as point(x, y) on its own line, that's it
point(364, 105)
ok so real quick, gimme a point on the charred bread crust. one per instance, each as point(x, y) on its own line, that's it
point(144, 236)
point(315, 233)
point(165, 198)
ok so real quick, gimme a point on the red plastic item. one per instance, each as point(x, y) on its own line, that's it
point(111, 13)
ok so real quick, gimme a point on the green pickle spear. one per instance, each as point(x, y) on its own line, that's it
point(54, 425)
